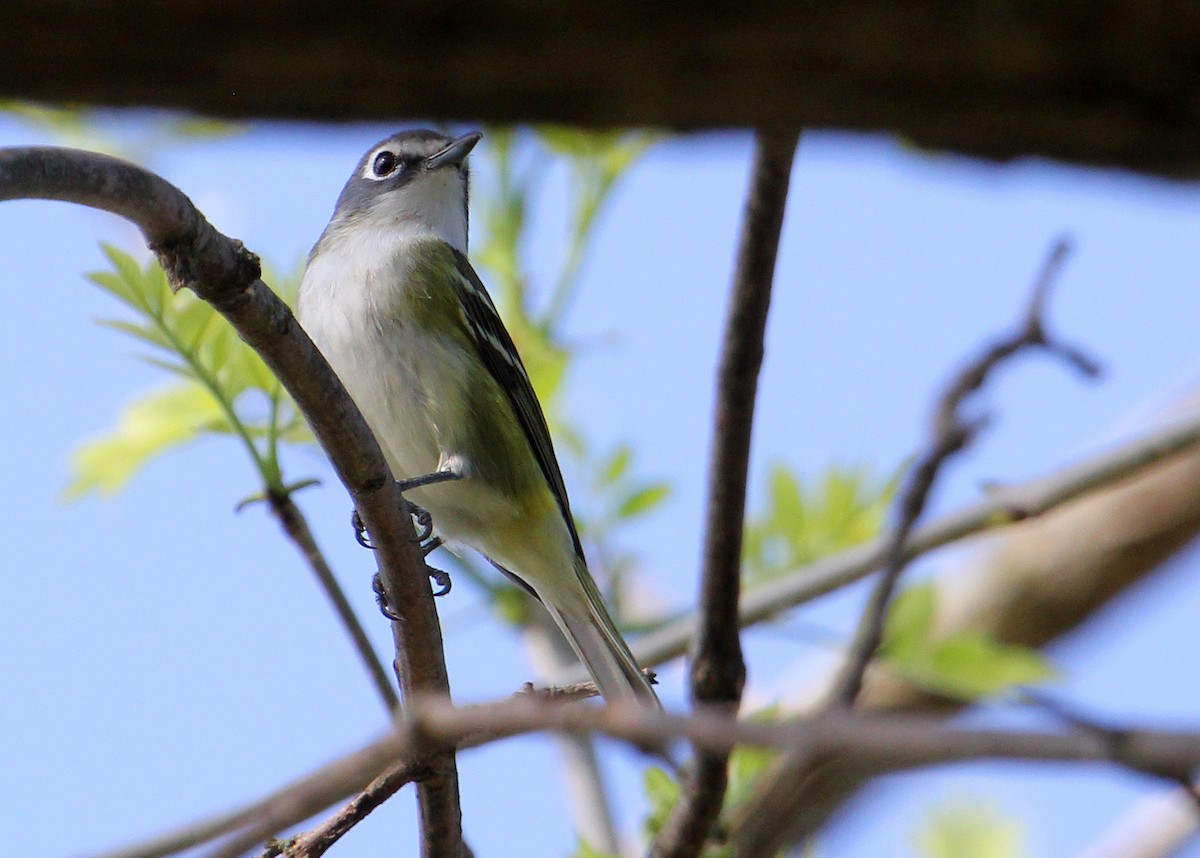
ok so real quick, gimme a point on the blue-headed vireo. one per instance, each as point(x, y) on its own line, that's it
point(392, 302)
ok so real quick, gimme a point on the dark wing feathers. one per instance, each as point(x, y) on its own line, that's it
point(499, 355)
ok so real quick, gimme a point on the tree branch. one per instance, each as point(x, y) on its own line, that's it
point(880, 743)
point(718, 670)
point(1001, 507)
point(952, 432)
point(222, 272)
point(316, 841)
point(1098, 84)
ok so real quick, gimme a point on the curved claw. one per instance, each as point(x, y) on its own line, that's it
point(360, 531)
point(442, 579)
point(424, 521)
point(381, 599)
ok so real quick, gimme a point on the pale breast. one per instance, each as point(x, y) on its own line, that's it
point(409, 383)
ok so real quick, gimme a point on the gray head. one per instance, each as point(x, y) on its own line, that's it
point(414, 182)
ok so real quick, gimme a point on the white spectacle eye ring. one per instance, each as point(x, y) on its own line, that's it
point(383, 164)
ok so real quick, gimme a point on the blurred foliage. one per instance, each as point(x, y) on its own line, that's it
point(965, 665)
point(106, 131)
point(801, 523)
point(222, 386)
point(583, 849)
point(746, 766)
point(969, 829)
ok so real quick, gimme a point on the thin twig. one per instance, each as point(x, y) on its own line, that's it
point(1000, 507)
point(316, 841)
point(718, 669)
point(294, 524)
point(951, 433)
point(222, 272)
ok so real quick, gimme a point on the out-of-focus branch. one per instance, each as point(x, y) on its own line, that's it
point(877, 743)
point(1155, 827)
point(1089, 83)
point(768, 821)
point(718, 670)
point(951, 433)
point(1002, 507)
point(588, 797)
point(222, 272)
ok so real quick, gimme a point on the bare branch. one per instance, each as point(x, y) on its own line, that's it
point(951, 433)
point(316, 841)
point(222, 272)
point(718, 670)
point(878, 743)
point(1001, 506)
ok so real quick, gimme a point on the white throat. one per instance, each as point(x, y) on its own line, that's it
point(432, 206)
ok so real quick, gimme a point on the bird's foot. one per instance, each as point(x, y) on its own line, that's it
point(381, 599)
point(421, 515)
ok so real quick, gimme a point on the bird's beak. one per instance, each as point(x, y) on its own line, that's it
point(454, 154)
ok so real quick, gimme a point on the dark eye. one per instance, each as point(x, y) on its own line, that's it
point(384, 164)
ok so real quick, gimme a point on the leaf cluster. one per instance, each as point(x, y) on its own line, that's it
point(220, 386)
point(965, 665)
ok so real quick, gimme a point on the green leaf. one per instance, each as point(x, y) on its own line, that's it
point(967, 665)
point(585, 850)
point(786, 498)
point(908, 622)
point(965, 829)
point(642, 500)
point(802, 522)
point(203, 347)
point(662, 791)
point(158, 421)
point(617, 465)
point(138, 332)
point(971, 665)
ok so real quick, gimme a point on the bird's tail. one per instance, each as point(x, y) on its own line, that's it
point(594, 637)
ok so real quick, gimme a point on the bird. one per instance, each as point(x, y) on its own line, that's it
point(390, 299)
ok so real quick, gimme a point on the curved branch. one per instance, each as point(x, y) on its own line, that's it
point(221, 271)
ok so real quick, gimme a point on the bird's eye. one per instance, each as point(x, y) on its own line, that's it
point(384, 164)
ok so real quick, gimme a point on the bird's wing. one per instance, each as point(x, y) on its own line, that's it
point(500, 356)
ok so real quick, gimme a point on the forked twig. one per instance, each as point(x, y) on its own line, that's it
point(951, 431)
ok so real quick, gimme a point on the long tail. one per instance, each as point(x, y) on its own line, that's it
point(590, 631)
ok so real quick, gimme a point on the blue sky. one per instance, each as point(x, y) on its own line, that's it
point(162, 657)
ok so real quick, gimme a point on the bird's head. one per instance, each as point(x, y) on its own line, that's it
point(414, 181)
